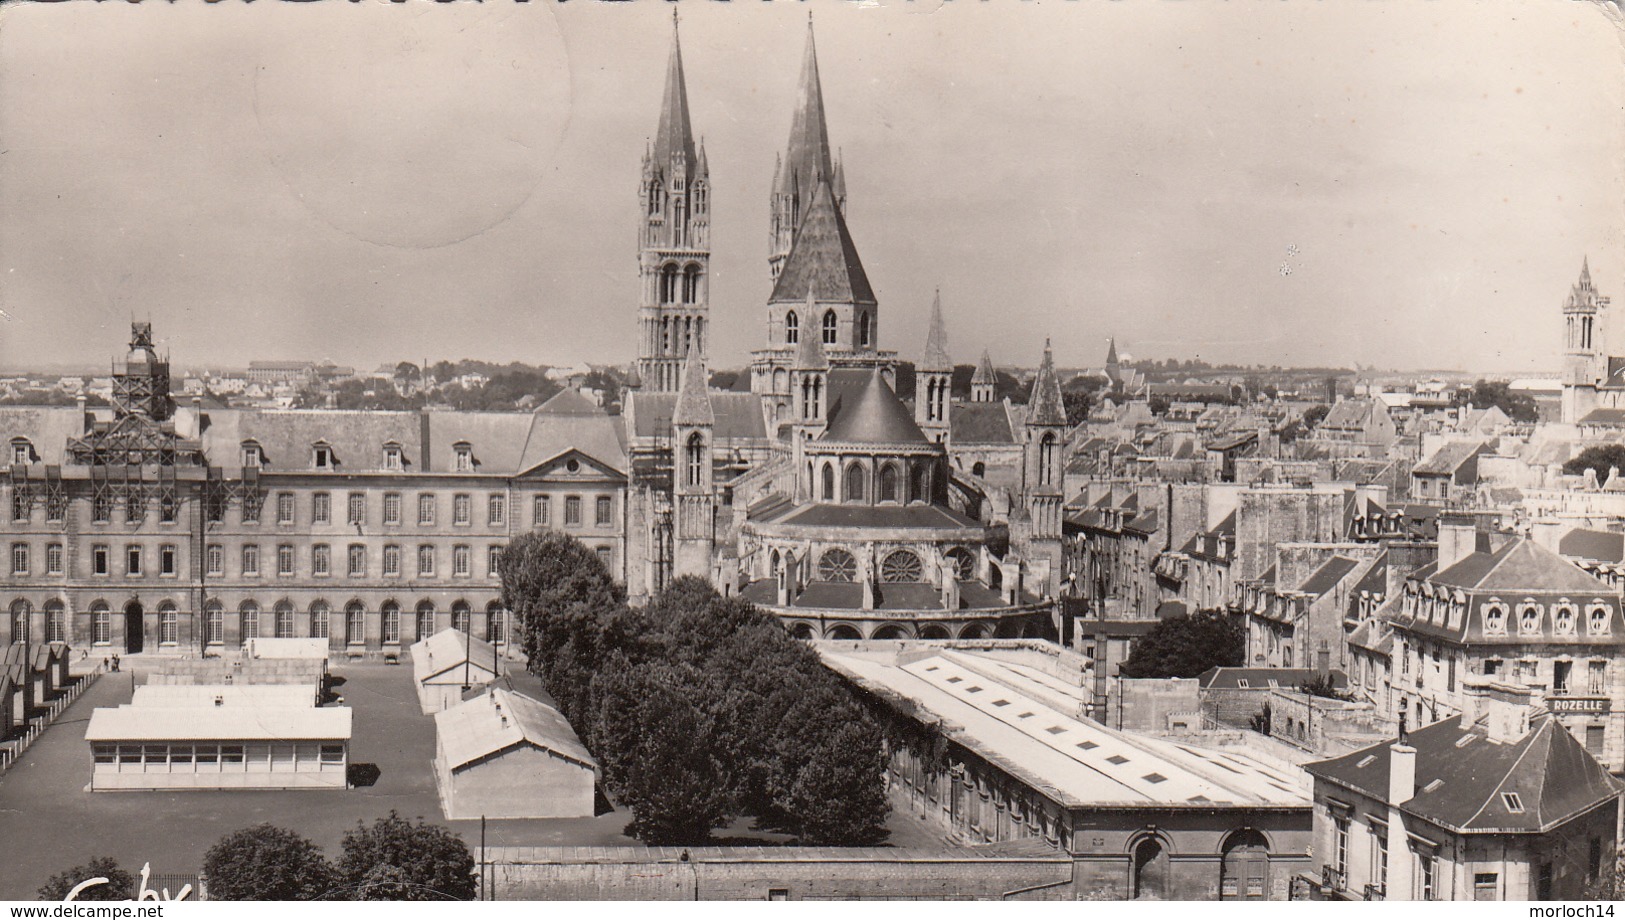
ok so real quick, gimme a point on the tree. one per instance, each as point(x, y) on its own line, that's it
point(1185, 646)
point(1158, 405)
point(267, 863)
point(120, 884)
point(1077, 406)
point(406, 862)
point(1314, 415)
point(1600, 459)
point(1322, 685)
point(1520, 407)
point(407, 372)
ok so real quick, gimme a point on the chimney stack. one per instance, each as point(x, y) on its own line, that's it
point(1458, 538)
point(1401, 773)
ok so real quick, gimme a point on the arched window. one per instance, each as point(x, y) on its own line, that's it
point(668, 284)
point(837, 565)
point(425, 619)
point(214, 622)
point(1150, 870)
point(355, 623)
point(696, 459)
point(1046, 459)
point(56, 621)
point(922, 482)
point(978, 468)
point(865, 329)
point(963, 563)
point(283, 623)
point(691, 284)
point(854, 484)
point(1597, 618)
point(101, 623)
point(496, 626)
point(461, 620)
point(169, 624)
point(389, 623)
point(831, 328)
point(1244, 871)
point(902, 567)
point(20, 614)
point(1495, 616)
point(1563, 616)
point(318, 620)
point(829, 482)
point(248, 621)
point(888, 484)
point(1528, 619)
point(792, 328)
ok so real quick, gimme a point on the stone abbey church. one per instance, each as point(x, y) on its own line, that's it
point(160, 526)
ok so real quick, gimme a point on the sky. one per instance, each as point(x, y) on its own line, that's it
point(1405, 184)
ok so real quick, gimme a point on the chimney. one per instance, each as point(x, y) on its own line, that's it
point(84, 423)
point(1458, 539)
point(1323, 661)
point(1401, 773)
point(1502, 709)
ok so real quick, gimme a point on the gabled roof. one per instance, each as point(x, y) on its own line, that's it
point(871, 414)
point(1265, 678)
point(569, 401)
point(1593, 545)
point(1327, 577)
point(823, 258)
point(980, 423)
point(1462, 777)
point(448, 649)
point(501, 719)
point(1449, 458)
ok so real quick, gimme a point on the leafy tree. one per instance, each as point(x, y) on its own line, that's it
point(406, 372)
point(267, 863)
point(406, 862)
point(1520, 407)
point(1158, 405)
point(1185, 646)
point(1322, 685)
point(1314, 415)
point(1077, 406)
point(120, 884)
point(1600, 458)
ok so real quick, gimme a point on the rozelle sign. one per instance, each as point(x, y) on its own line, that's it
point(1589, 705)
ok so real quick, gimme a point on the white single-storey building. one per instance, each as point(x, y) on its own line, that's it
point(219, 737)
point(449, 662)
point(298, 649)
point(505, 755)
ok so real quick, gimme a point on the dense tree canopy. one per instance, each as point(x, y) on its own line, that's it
point(1600, 459)
point(1315, 414)
point(120, 885)
point(267, 863)
point(398, 860)
point(699, 708)
point(1185, 646)
point(1519, 407)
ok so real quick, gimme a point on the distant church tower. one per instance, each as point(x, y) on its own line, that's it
point(933, 379)
point(1585, 357)
point(1042, 469)
point(694, 476)
point(674, 259)
point(984, 383)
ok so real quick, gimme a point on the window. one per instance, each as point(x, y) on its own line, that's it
point(56, 621)
point(695, 453)
point(426, 561)
point(462, 511)
point(1529, 619)
point(1484, 886)
point(792, 328)
point(318, 620)
point(358, 508)
point(132, 560)
point(214, 559)
point(248, 616)
point(604, 511)
point(101, 624)
point(20, 504)
point(1596, 673)
point(251, 559)
point(1513, 802)
point(21, 612)
point(355, 623)
point(542, 514)
point(101, 507)
point(284, 508)
point(1595, 738)
point(357, 560)
point(1340, 845)
point(1046, 460)
point(321, 508)
point(214, 623)
point(22, 452)
point(831, 328)
point(464, 457)
point(1379, 856)
point(166, 508)
point(425, 509)
point(251, 507)
point(167, 560)
point(864, 329)
point(1563, 616)
point(392, 508)
point(252, 455)
point(1560, 676)
point(606, 556)
point(332, 755)
point(282, 622)
point(321, 457)
point(495, 623)
point(572, 511)
point(854, 481)
point(19, 558)
point(392, 561)
point(1597, 619)
point(284, 560)
point(496, 510)
point(462, 562)
point(321, 560)
point(391, 623)
point(425, 619)
point(493, 561)
point(901, 567)
point(778, 894)
point(837, 565)
point(460, 617)
point(1425, 882)
point(392, 456)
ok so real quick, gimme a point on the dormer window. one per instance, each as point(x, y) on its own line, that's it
point(1597, 618)
point(253, 456)
point(1529, 620)
point(321, 456)
point(1495, 619)
point(392, 455)
point(464, 457)
point(1563, 617)
point(22, 452)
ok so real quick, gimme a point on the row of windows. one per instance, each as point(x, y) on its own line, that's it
point(829, 328)
point(355, 560)
point(284, 621)
point(323, 456)
point(224, 757)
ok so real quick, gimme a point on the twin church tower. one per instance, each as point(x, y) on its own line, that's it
point(821, 296)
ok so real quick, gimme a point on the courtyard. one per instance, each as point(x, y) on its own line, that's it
point(50, 823)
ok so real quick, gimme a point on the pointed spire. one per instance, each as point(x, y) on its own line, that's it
point(807, 160)
point(1045, 407)
point(985, 375)
point(694, 399)
point(823, 256)
point(1585, 273)
point(1111, 352)
point(840, 180)
point(675, 135)
point(936, 339)
point(809, 351)
point(703, 170)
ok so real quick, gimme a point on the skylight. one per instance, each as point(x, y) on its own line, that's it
point(1433, 785)
point(1118, 759)
point(1025, 715)
point(1055, 729)
point(1512, 801)
point(1465, 740)
point(1001, 702)
point(1367, 761)
point(1088, 745)
point(973, 689)
point(1154, 778)
point(955, 680)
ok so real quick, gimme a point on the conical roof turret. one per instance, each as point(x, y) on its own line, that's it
point(936, 340)
point(694, 399)
point(1045, 406)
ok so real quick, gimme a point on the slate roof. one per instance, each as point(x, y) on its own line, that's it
point(1547, 769)
point(738, 415)
point(1449, 458)
point(448, 649)
point(823, 258)
point(881, 516)
point(871, 414)
point(807, 158)
point(936, 339)
point(1607, 418)
point(980, 423)
point(47, 428)
point(1045, 406)
point(1593, 545)
point(674, 135)
point(1328, 576)
point(1520, 566)
point(984, 371)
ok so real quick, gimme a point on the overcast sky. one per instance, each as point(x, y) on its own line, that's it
point(372, 181)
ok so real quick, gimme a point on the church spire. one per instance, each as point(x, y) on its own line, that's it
point(694, 400)
point(675, 135)
point(806, 163)
point(1045, 407)
point(936, 339)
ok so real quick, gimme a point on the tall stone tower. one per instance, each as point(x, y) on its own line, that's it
point(141, 386)
point(806, 162)
point(933, 378)
point(1043, 459)
point(1585, 356)
point(674, 259)
point(694, 489)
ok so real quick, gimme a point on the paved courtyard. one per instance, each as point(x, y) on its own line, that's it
point(49, 823)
